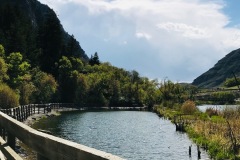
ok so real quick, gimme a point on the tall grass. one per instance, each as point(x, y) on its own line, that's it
point(220, 133)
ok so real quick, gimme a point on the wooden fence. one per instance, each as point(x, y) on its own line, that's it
point(47, 146)
point(21, 113)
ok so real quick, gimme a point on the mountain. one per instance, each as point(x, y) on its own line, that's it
point(32, 28)
point(223, 69)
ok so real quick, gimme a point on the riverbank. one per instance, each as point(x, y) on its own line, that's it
point(215, 131)
point(25, 152)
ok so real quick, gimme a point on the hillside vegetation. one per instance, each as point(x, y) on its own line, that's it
point(41, 63)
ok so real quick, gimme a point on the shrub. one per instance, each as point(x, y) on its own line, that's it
point(211, 112)
point(8, 98)
point(230, 82)
point(188, 107)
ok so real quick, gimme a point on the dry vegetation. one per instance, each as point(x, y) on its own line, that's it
point(219, 132)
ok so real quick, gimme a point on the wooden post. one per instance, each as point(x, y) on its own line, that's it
point(44, 109)
point(4, 133)
point(24, 113)
point(190, 151)
point(199, 152)
point(18, 114)
point(21, 113)
point(11, 141)
point(38, 109)
point(14, 113)
point(29, 110)
point(34, 109)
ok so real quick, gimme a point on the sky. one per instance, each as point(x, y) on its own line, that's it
point(161, 39)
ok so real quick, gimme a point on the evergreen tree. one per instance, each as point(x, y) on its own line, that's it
point(94, 60)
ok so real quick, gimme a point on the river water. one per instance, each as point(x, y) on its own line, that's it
point(203, 108)
point(132, 135)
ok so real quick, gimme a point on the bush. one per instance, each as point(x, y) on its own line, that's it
point(230, 82)
point(8, 98)
point(211, 112)
point(188, 107)
point(228, 97)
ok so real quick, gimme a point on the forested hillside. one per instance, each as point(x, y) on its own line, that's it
point(29, 27)
point(225, 68)
point(41, 63)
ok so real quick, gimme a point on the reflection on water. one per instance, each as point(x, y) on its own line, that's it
point(131, 135)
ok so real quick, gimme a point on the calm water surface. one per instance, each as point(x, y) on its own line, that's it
point(131, 135)
point(203, 108)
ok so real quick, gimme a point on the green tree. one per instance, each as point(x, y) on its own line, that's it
point(26, 89)
point(68, 78)
point(3, 65)
point(9, 98)
point(82, 90)
point(150, 92)
point(171, 93)
point(45, 86)
point(2, 51)
point(77, 64)
point(17, 68)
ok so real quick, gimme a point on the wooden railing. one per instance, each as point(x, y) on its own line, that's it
point(47, 147)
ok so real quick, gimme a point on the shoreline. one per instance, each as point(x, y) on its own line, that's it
point(23, 150)
point(36, 117)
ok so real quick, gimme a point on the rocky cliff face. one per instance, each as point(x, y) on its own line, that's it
point(223, 69)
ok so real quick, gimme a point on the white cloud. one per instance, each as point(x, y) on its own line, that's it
point(185, 30)
point(143, 35)
point(184, 37)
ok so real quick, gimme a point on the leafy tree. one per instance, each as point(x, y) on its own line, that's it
point(2, 51)
point(3, 70)
point(115, 97)
point(26, 89)
point(77, 64)
point(17, 68)
point(64, 67)
point(3, 65)
point(150, 94)
point(45, 86)
point(9, 98)
point(67, 79)
point(171, 93)
point(82, 90)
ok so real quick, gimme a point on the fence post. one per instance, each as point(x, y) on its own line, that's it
point(18, 114)
point(14, 113)
point(22, 113)
point(38, 109)
point(29, 111)
point(11, 141)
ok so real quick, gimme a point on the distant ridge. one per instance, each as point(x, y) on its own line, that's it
point(223, 69)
